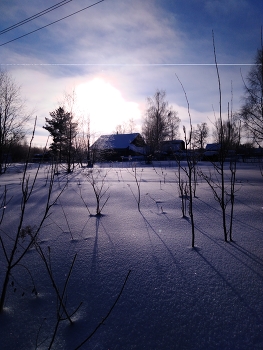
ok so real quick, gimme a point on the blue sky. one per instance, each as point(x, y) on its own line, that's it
point(117, 53)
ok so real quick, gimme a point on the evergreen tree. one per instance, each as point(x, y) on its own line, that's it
point(63, 130)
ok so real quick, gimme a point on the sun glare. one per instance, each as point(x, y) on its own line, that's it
point(105, 105)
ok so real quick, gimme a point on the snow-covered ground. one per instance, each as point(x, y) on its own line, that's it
point(176, 297)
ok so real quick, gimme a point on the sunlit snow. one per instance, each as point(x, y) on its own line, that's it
point(176, 297)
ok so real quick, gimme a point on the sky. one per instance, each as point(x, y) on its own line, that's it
point(117, 53)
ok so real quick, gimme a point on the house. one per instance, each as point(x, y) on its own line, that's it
point(214, 147)
point(212, 151)
point(217, 151)
point(172, 147)
point(42, 157)
point(118, 147)
point(250, 154)
point(169, 149)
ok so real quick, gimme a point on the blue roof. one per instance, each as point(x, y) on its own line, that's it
point(213, 147)
point(115, 141)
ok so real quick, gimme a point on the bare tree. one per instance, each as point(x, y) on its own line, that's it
point(12, 117)
point(83, 141)
point(227, 134)
point(182, 188)
point(23, 237)
point(121, 129)
point(138, 180)
point(70, 104)
point(160, 123)
point(200, 135)
point(102, 322)
point(252, 109)
point(126, 127)
point(173, 122)
point(97, 180)
point(218, 183)
point(62, 313)
point(131, 126)
point(188, 185)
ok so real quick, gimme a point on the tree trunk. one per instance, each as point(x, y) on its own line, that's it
point(4, 289)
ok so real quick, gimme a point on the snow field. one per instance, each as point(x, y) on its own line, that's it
point(176, 297)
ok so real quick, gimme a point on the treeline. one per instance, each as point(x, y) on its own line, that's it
point(71, 135)
point(21, 151)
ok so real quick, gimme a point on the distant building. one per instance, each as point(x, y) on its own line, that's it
point(250, 154)
point(118, 147)
point(173, 146)
point(215, 152)
point(42, 157)
point(168, 150)
point(213, 147)
point(212, 151)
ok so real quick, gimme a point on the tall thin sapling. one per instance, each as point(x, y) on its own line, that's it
point(19, 248)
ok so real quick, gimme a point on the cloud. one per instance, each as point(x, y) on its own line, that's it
point(129, 45)
point(111, 32)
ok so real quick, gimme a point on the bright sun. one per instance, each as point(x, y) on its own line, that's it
point(105, 105)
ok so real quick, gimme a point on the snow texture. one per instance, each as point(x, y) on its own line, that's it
point(176, 297)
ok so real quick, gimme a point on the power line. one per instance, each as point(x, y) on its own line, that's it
point(47, 25)
point(132, 64)
point(31, 18)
